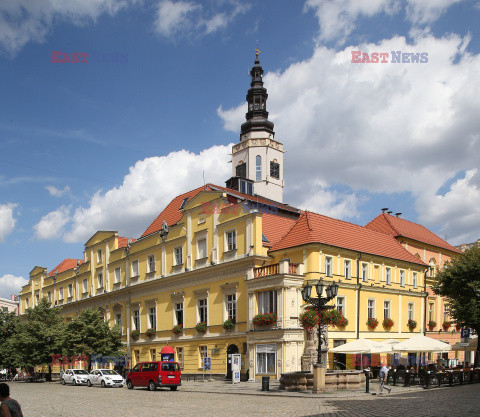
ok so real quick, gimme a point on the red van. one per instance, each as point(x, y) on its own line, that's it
point(155, 374)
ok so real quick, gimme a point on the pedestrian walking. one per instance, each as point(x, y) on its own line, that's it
point(9, 407)
point(383, 375)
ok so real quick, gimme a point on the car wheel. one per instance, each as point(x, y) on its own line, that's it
point(63, 381)
point(173, 388)
point(152, 386)
point(74, 382)
point(103, 384)
point(129, 384)
point(89, 383)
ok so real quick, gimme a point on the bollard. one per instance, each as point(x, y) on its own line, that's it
point(461, 376)
point(450, 378)
point(367, 382)
point(265, 383)
point(472, 375)
point(407, 379)
point(394, 377)
point(427, 379)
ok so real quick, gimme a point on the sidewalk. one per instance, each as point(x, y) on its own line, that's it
point(255, 388)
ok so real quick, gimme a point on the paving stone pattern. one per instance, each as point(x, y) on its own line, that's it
point(221, 399)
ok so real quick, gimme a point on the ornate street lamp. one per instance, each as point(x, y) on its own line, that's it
point(319, 303)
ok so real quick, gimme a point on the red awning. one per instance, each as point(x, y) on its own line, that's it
point(167, 349)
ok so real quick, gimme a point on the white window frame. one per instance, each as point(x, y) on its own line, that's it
point(371, 308)
point(180, 357)
point(199, 254)
point(265, 351)
point(387, 309)
point(401, 275)
point(267, 302)
point(415, 279)
point(411, 311)
point(431, 312)
point(328, 266)
point(341, 304)
point(99, 256)
point(258, 168)
point(135, 265)
point(100, 280)
point(347, 268)
point(136, 322)
point(152, 317)
point(202, 305)
point(85, 286)
point(176, 303)
point(49, 296)
point(177, 250)
point(69, 290)
point(117, 273)
point(388, 275)
point(151, 263)
point(60, 294)
point(364, 272)
point(118, 320)
point(231, 306)
point(230, 247)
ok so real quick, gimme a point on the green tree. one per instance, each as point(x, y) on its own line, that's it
point(459, 282)
point(88, 334)
point(38, 337)
point(8, 329)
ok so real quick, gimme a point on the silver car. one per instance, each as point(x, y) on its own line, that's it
point(75, 377)
point(105, 378)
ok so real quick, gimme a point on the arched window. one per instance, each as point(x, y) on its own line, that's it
point(258, 168)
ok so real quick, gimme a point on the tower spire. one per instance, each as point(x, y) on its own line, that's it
point(257, 114)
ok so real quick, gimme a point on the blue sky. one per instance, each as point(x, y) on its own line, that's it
point(105, 144)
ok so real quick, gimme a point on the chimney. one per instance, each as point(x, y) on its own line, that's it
point(384, 209)
point(398, 214)
point(389, 212)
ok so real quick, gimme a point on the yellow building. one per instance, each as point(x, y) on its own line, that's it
point(218, 254)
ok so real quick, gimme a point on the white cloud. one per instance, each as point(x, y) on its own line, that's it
point(7, 221)
point(51, 225)
point(184, 18)
point(11, 285)
point(383, 128)
point(144, 193)
point(457, 212)
point(23, 21)
point(56, 192)
point(337, 18)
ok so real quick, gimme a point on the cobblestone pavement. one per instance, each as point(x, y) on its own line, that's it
point(246, 399)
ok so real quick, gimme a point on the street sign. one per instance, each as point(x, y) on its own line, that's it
point(207, 363)
point(465, 333)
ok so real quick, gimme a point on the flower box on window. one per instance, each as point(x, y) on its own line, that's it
point(431, 325)
point(151, 332)
point(372, 323)
point(201, 327)
point(412, 325)
point(309, 319)
point(342, 322)
point(177, 329)
point(387, 323)
point(229, 324)
point(265, 319)
point(446, 325)
point(135, 334)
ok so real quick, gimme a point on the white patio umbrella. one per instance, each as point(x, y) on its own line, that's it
point(390, 342)
point(362, 346)
point(421, 343)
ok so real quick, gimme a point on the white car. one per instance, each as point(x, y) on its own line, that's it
point(105, 378)
point(75, 377)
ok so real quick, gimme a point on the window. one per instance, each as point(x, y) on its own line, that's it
point(341, 305)
point(267, 302)
point(410, 311)
point(249, 188)
point(153, 354)
point(346, 269)
point(151, 263)
point(136, 320)
point(415, 280)
point(241, 170)
point(135, 269)
point(152, 317)
point(445, 313)
point(178, 253)
point(85, 285)
point(402, 278)
point(328, 266)
point(243, 187)
point(231, 240)
point(60, 294)
point(386, 309)
point(364, 272)
point(388, 275)
point(232, 307)
point(275, 169)
point(100, 280)
point(118, 319)
point(371, 309)
point(201, 218)
point(266, 359)
point(70, 291)
point(179, 313)
point(136, 355)
point(26, 302)
point(258, 168)
point(99, 256)
point(183, 203)
point(431, 312)
point(202, 310)
point(117, 275)
point(201, 248)
point(49, 296)
point(180, 356)
point(203, 354)
point(37, 297)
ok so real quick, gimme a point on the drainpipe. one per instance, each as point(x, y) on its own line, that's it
point(359, 286)
point(426, 300)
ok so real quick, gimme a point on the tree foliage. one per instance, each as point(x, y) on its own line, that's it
point(8, 328)
point(459, 282)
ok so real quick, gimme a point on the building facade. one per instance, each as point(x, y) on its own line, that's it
point(216, 258)
point(9, 305)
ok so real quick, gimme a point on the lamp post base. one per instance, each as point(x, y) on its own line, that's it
point(318, 378)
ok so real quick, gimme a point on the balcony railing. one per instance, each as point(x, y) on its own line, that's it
point(274, 269)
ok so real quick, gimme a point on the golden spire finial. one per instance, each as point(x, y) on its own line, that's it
point(257, 51)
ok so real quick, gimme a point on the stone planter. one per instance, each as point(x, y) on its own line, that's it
point(334, 380)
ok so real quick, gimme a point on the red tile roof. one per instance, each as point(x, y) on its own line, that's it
point(65, 265)
point(315, 228)
point(398, 227)
point(123, 241)
point(275, 227)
